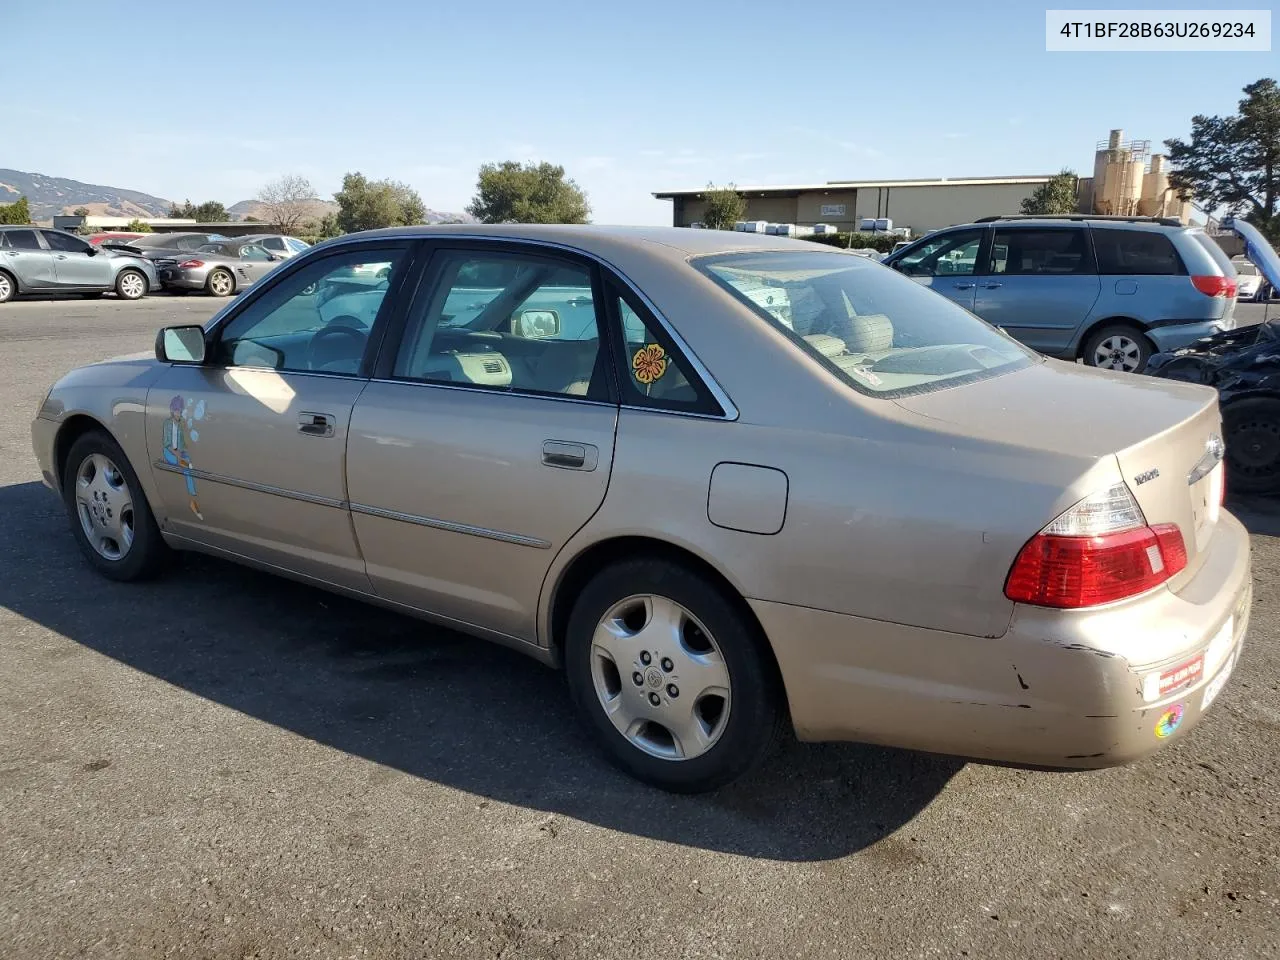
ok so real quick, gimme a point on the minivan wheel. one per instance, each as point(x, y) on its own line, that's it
point(670, 676)
point(110, 517)
point(8, 287)
point(131, 285)
point(1118, 347)
point(220, 283)
point(1252, 435)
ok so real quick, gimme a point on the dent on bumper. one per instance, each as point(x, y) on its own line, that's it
point(1178, 335)
point(1059, 689)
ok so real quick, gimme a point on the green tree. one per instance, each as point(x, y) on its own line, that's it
point(211, 211)
point(80, 212)
point(137, 226)
point(511, 192)
point(725, 207)
point(1234, 162)
point(365, 204)
point(17, 212)
point(1055, 197)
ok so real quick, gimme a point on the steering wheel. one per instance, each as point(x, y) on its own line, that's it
point(357, 337)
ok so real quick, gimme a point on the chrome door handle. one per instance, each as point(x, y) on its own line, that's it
point(963, 286)
point(992, 286)
point(315, 424)
point(570, 456)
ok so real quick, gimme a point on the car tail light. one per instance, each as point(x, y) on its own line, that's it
point(1099, 551)
point(1214, 286)
point(190, 264)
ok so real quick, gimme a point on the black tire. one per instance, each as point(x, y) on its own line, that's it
point(120, 284)
point(1251, 429)
point(8, 286)
point(1123, 334)
point(148, 552)
point(210, 283)
point(755, 715)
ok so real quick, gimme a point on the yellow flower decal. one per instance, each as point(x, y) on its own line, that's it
point(649, 363)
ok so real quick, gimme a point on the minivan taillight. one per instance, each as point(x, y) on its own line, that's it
point(1099, 551)
point(1215, 286)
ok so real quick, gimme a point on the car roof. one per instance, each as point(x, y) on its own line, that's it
point(592, 238)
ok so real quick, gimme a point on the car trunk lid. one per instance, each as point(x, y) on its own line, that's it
point(1165, 436)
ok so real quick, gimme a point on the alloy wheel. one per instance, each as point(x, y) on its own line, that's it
point(105, 507)
point(220, 283)
point(660, 677)
point(133, 285)
point(1118, 352)
point(6, 288)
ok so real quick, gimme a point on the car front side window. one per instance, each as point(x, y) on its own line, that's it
point(317, 319)
point(951, 254)
point(64, 243)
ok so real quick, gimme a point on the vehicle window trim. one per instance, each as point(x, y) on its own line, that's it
point(392, 305)
point(1091, 258)
point(980, 262)
point(434, 256)
point(706, 404)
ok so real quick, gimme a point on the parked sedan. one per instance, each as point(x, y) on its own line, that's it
point(858, 509)
point(34, 261)
point(1248, 279)
point(219, 269)
point(155, 246)
point(279, 244)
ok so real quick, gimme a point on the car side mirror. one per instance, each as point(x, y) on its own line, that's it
point(181, 345)
point(91, 250)
point(536, 324)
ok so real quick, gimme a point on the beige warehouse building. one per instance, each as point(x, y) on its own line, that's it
point(921, 205)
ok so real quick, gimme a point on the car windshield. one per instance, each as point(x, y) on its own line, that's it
point(876, 330)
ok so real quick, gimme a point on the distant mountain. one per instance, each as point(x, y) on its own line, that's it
point(320, 208)
point(51, 196)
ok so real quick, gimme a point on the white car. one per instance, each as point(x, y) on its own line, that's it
point(1248, 279)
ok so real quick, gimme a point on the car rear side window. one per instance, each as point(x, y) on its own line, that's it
point(654, 373)
point(1139, 252)
point(22, 240)
point(1217, 254)
point(1040, 252)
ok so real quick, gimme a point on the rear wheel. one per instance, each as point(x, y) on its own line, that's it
point(131, 285)
point(8, 287)
point(1252, 429)
point(220, 283)
point(671, 677)
point(1119, 346)
point(110, 517)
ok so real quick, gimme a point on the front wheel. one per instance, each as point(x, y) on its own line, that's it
point(671, 677)
point(110, 517)
point(1251, 429)
point(1118, 347)
point(131, 285)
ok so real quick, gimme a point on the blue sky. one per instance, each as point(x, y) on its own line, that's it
point(630, 98)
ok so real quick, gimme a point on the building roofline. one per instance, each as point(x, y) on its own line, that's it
point(838, 185)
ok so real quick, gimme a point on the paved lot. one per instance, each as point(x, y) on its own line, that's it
point(223, 764)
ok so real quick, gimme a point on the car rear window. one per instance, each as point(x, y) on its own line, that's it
point(878, 331)
point(1142, 252)
point(1216, 252)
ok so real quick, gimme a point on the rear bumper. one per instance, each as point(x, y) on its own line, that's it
point(183, 279)
point(1174, 336)
point(1059, 689)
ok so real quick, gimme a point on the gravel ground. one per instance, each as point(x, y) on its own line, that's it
point(225, 764)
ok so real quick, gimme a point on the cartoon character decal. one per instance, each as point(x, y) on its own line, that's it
point(179, 430)
point(649, 364)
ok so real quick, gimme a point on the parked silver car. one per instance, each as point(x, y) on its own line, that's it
point(278, 243)
point(34, 261)
point(219, 269)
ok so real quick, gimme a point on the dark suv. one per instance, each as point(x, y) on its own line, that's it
point(1111, 291)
